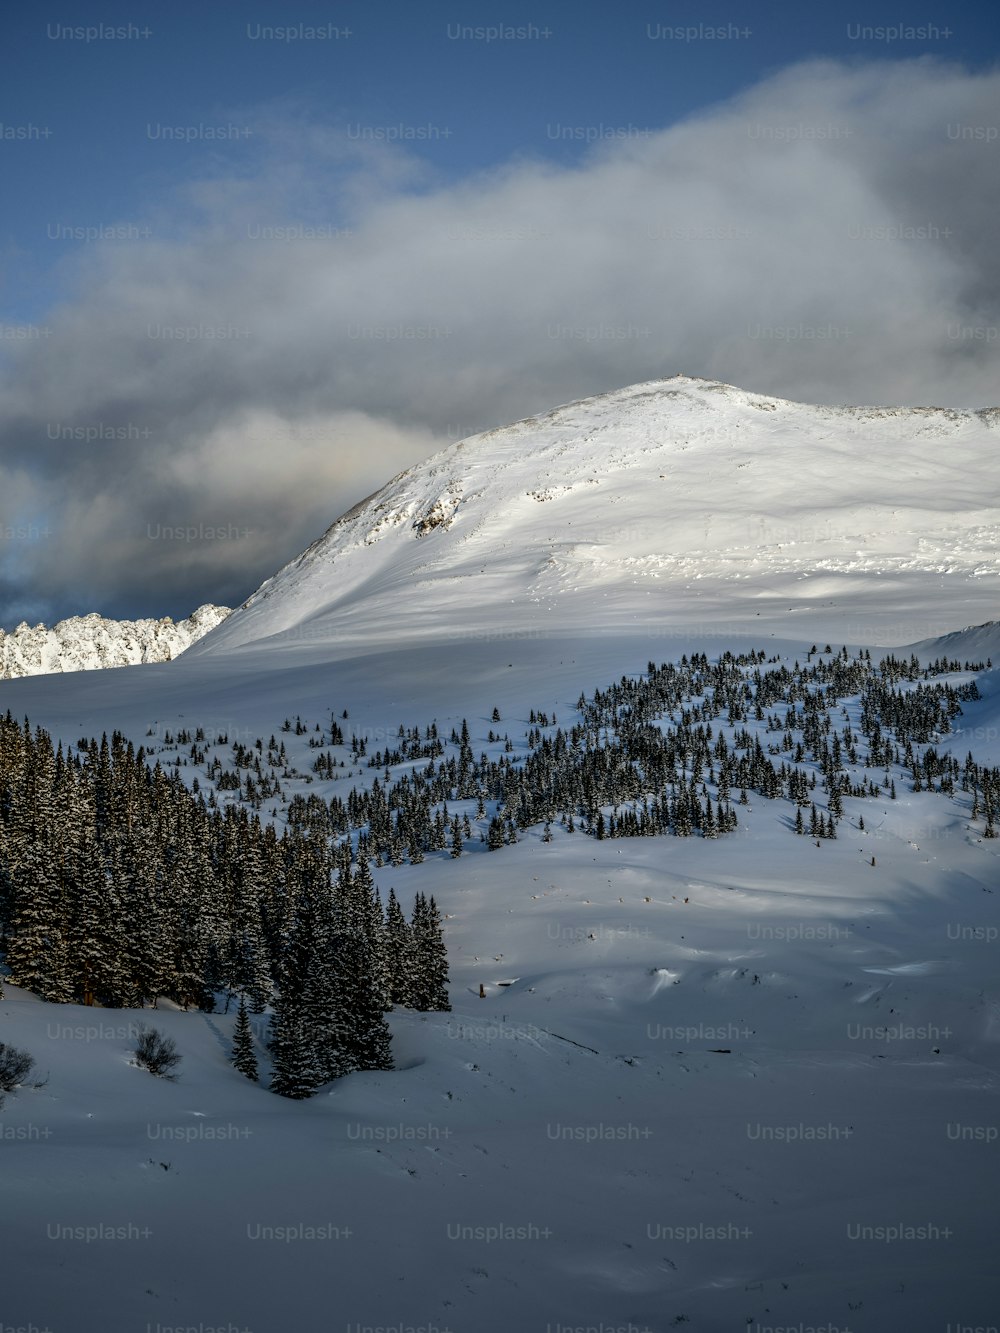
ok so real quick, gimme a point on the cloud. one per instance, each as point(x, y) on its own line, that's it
point(289, 337)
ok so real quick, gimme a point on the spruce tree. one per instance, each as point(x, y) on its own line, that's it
point(378, 948)
point(244, 1058)
point(296, 1068)
point(399, 952)
point(363, 1040)
point(294, 1073)
point(431, 971)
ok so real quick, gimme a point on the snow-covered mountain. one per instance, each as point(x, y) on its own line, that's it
point(677, 502)
point(88, 643)
point(684, 1081)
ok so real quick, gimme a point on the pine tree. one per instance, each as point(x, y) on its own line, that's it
point(144, 920)
point(400, 953)
point(362, 1037)
point(190, 882)
point(243, 1057)
point(297, 1071)
point(709, 827)
point(415, 851)
point(333, 914)
point(34, 938)
point(373, 918)
point(294, 1071)
point(91, 936)
point(431, 957)
point(36, 948)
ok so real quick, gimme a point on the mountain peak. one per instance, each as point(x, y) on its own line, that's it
point(673, 501)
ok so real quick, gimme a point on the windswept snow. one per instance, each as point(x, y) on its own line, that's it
point(680, 503)
point(687, 1106)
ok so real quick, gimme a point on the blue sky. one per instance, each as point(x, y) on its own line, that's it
point(499, 223)
point(579, 69)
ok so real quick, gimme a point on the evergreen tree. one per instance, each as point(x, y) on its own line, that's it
point(431, 970)
point(244, 1058)
point(93, 946)
point(400, 953)
point(35, 952)
point(294, 1072)
point(298, 1070)
point(363, 1040)
point(36, 948)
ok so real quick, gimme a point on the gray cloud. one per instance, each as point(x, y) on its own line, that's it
point(824, 236)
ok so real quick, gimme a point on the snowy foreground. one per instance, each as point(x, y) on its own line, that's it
point(739, 1084)
point(632, 1131)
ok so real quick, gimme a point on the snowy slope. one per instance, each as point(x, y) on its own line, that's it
point(87, 643)
point(627, 1085)
point(680, 502)
point(979, 730)
point(981, 641)
point(590, 1102)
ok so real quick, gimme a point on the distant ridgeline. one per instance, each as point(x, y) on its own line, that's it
point(119, 884)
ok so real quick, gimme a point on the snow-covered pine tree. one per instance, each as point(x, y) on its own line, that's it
point(321, 997)
point(244, 1057)
point(399, 953)
point(191, 884)
point(34, 945)
point(35, 953)
point(378, 947)
point(297, 1070)
point(363, 1040)
point(431, 958)
point(91, 929)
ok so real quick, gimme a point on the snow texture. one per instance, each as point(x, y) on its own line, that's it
point(711, 1083)
point(677, 503)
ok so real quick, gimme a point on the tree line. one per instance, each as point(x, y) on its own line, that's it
point(119, 886)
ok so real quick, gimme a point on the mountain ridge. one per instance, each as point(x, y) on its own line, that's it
point(94, 642)
point(671, 495)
